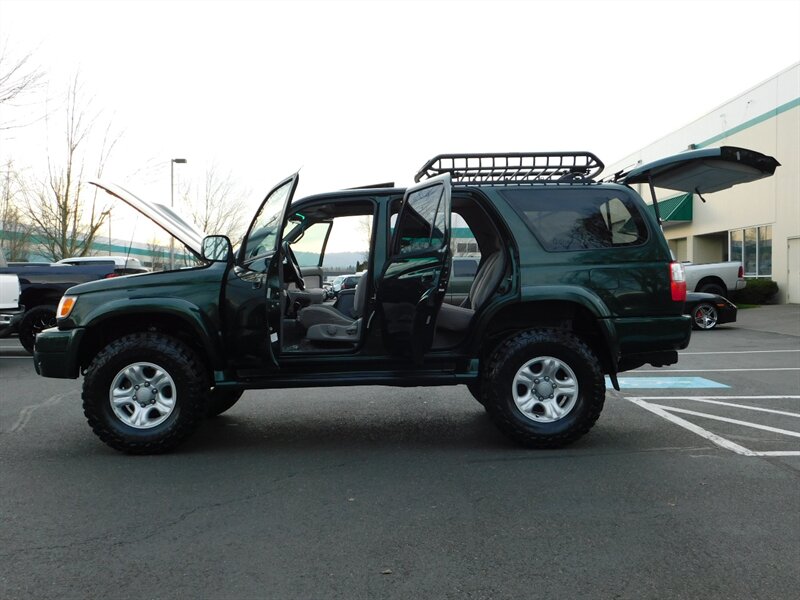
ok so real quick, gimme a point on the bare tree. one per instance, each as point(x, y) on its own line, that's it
point(66, 220)
point(15, 230)
point(18, 78)
point(158, 255)
point(216, 206)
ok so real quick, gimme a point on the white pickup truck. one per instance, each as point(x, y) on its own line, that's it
point(9, 299)
point(715, 278)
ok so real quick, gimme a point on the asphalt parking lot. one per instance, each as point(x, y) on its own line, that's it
point(688, 487)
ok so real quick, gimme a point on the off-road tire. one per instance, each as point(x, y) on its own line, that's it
point(475, 389)
point(222, 400)
point(191, 392)
point(501, 370)
point(35, 321)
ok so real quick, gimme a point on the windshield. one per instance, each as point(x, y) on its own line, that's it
point(263, 235)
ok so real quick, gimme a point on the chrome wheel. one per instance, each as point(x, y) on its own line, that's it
point(142, 395)
point(705, 316)
point(545, 389)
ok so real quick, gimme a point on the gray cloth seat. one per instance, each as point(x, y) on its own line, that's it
point(324, 323)
point(488, 277)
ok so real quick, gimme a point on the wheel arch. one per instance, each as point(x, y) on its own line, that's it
point(174, 317)
point(577, 311)
point(711, 279)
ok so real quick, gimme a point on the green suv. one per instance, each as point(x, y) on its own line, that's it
point(575, 281)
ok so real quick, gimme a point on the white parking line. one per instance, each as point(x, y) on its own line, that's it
point(743, 406)
point(748, 370)
point(741, 352)
point(666, 412)
point(713, 437)
point(694, 413)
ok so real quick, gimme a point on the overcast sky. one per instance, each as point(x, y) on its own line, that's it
point(365, 92)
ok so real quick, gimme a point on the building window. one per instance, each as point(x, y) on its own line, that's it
point(752, 246)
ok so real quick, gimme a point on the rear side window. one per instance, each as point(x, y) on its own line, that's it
point(566, 220)
point(465, 267)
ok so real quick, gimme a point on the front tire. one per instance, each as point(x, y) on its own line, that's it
point(145, 393)
point(222, 400)
point(33, 323)
point(544, 388)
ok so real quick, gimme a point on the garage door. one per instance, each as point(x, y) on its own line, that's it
point(793, 283)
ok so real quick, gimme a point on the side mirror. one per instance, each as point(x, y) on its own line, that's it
point(217, 248)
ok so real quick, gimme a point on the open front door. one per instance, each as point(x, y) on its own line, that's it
point(258, 270)
point(413, 284)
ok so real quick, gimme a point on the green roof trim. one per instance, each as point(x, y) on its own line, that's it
point(675, 209)
point(754, 121)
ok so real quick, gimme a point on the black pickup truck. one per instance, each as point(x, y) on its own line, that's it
point(42, 286)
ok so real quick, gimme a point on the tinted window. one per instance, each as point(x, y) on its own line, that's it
point(263, 235)
point(422, 221)
point(578, 219)
point(464, 268)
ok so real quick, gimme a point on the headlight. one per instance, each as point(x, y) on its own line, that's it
point(65, 306)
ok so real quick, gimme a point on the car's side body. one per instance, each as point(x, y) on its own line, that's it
point(575, 281)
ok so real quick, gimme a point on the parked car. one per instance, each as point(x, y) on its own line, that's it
point(709, 310)
point(10, 308)
point(715, 278)
point(350, 282)
point(41, 288)
point(123, 265)
point(336, 286)
point(575, 282)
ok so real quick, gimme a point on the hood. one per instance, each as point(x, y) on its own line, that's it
point(160, 214)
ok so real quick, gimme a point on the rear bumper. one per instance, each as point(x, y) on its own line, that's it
point(653, 340)
point(56, 353)
point(741, 284)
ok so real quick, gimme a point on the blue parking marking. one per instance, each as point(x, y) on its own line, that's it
point(661, 383)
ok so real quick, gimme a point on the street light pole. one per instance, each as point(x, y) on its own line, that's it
point(180, 161)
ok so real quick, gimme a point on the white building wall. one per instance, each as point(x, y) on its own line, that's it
point(765, 118)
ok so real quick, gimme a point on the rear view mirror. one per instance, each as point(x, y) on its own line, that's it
point(217, 248)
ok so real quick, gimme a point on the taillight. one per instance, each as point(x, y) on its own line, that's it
point(110, 275)
point(677, 282)
point(741, 272)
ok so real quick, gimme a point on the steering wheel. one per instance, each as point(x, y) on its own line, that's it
point(291, 270)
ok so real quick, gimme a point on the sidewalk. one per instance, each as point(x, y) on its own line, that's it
point(778, 318)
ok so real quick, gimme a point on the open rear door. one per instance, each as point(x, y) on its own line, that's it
point(413, 284)
point(703, 171)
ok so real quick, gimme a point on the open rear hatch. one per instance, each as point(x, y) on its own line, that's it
point(703, 171)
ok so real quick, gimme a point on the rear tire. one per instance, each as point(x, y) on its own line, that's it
point(544, 388)
point(713, 288)
point(34, 322)
point(145, 393)
point(475, 389)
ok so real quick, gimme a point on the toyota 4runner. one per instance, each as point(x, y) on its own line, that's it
point(574, 282)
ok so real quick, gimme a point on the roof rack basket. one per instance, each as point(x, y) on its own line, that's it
point(514, 167)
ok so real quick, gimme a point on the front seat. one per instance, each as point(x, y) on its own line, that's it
point(489, 275)
point(324, 323)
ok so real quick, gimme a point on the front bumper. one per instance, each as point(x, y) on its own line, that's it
point(56, 353)
point(9, 319)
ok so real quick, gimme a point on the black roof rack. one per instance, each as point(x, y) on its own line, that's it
point(514, 167)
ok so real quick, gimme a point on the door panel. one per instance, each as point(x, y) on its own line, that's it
point(414, 282)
